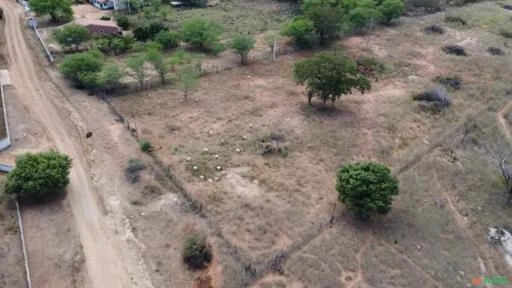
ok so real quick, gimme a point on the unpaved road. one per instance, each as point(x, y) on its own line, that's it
point(110, 260)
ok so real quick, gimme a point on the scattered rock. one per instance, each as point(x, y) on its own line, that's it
point(219, 168)
point(418, 247)
point(238, 150)
point(195, 168)
point(205, 149)
point(189, 159)
point(244, 137)
point(210, 180)
point(216, 156)
point(202, 177)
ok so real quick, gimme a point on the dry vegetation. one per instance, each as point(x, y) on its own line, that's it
point(273, 211)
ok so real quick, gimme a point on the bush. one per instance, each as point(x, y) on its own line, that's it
point(202, 34)
point(455, 50)
point(495, 51)
point(114, 44)
point(105, 17)
point(81, 68)
point(430, 6)
point(123, 22)
point(133, 169)
point(366, 188)
point(168, 39)
point(434, 29)
point(148, 31)
point(508, 7)
point(145, 146)
point(370, 67)
point(39, 177)
point(506, 32)
point(452, 82)
point(455, 19)
point(71, 35)
point(196, 251)
point(275, 143)
point(436, 95)
point(301, 29)
point(391, 10)
point(241, 45)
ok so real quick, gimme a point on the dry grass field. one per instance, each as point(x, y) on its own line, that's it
point(276, 209)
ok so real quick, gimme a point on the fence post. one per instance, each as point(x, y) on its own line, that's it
point(24, 249)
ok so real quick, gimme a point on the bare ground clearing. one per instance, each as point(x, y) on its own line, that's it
point(266, 205)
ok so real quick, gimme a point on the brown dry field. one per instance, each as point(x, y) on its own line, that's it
point(268, 208)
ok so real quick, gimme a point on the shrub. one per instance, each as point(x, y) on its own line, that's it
point(145, 146)
point(39, 177)
point(506, 32)
point(455, 19)
point(495, 51)
point(370, 67)
point(81, 68)
point(434, 29)
point(71, 35)
point(115, 44)
point(202, 34)
point(366, 188)
point(391, 10)
point(168, 39)
point(148, 31)
point(105, 17)
point(197, 253)
point(430, 6)
point(453, 82)
point(435, 95)
point(242, 44)
point(275, 143)
point(455, 50)
point(123, 21)
point(132, 171)
point(301, 29)
point(508, 7)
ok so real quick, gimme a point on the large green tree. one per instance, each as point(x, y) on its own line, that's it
point(71, 35)
point(391, 10)
point(301, 29)
point(202, 34)
point(136, 64)
point(59, 10)
point(330, 75)
point(109, 78)
point(155, 57)
point(327, 18)
point(38, 176)
point(366, 188)
point(242, 44)
point(82, 68)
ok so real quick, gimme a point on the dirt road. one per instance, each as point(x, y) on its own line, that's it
point(111, 261)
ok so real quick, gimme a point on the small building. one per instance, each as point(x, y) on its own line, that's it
point(99, 27)
point(103, 4)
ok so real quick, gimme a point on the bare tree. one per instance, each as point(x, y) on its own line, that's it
point(500, 152)
point(468, 127)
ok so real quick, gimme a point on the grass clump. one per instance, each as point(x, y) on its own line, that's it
point(450, 82)
point(455, 20)
point(495, 51)
point(455, 50)
point(145, 146)
point(434, 29)
point(132, 170)
point(506, 32)
point(437, 95)
point(197, 253)
point(370, 67)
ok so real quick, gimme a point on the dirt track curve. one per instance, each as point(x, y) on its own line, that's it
point(109, 259)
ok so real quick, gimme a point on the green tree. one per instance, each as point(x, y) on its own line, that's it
point(38, 176)
point(81, 68)
point(202, 34)
point(330, 75)
point(367, 188)
point(168, 39)
point(326, 18)
point(109, 78)
point(391, 10)
point(59, 10)
point(155, 57)
point(365, 16)
point(148, 31)
point(301, 30)
point(136, 65)
point(123, 21)
point(189, 77)
point(242, 44)
point(71, 35)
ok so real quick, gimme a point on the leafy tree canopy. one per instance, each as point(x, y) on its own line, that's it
point(202, 34)
point(39, 176)
point(59, 10)
point(329, 76)
point(366, 188)
point(242, 44)
point(71, 35)
point(301, 29)
point(81, 68)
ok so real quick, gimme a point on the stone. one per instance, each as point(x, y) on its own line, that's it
point(195, 168)
point(205, 149)
point(238, 150)
point(188, 159)
point(418, 247)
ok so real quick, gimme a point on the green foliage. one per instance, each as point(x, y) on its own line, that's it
point(329, 76)
point(38, 176)
point(71, 35)
point(189, 76)
point(196, 251)
point(136, 65)
point(105, 17)
point(114, 44)
point(301, 29)
point(506, 32)
point(132, 171)
point(109, 78)
point(365, 16)
point(168, 39)
point(148, 31)
point(155, 57)
point(123, 21)
point(366, 188)
point(242, 44)
point(202, 34)
point(391, 10)
point(59, 10)
point(81, 68)
point(145, 146)
point(326, 18)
